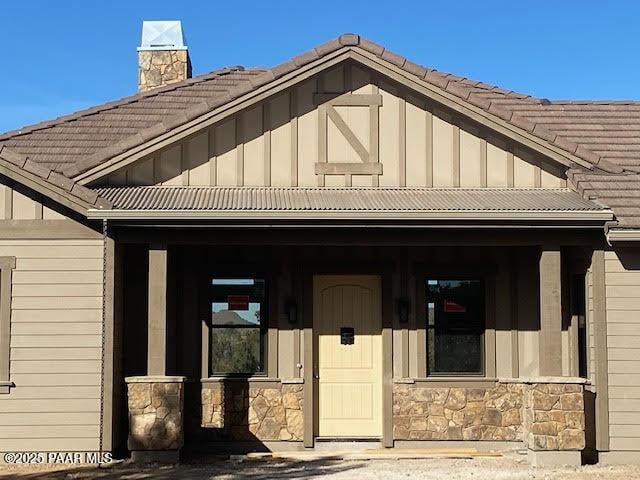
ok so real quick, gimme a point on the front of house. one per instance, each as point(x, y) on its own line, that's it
point(347, 246)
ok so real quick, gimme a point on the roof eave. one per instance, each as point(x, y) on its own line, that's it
point(623, 235)
point(598, 217)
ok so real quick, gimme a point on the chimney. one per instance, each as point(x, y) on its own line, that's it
point(162, 55)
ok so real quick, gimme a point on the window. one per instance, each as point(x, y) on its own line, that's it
point(455, 326)
point(238, 326)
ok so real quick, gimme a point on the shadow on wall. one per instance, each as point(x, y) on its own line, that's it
point(234, 416)
point(199, 470)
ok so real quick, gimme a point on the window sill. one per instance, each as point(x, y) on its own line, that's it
point(250, 379)
point(449, 381)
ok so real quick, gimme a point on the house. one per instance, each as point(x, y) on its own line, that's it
point(344, 246)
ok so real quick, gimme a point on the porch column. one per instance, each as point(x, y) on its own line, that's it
point(157, 316)
point(156, 400)
point(550, 342)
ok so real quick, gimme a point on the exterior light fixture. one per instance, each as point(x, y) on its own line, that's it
point(403, 310)
point(292, 312)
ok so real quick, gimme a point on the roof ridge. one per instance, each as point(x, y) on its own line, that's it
point(594, 102)
point(129, 99)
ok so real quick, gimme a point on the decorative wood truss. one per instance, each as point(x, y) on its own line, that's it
point(370, 162)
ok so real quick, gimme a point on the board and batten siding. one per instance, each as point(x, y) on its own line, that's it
point(279, 142)
point(17, 204)
point(56, 346)
point(622, 274)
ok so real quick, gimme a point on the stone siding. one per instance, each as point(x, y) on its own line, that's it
point(155, 415)
point(454, 413)
point(554, 416)
point(545, 416)
point(241, 411)
point(162, 67)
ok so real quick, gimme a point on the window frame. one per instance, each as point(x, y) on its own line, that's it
point(263, 327)
point(7, 265)
point(483, 328)
point(473, 271)
point(266, 271)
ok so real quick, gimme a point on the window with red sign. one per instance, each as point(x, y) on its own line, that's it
point(238, 326)
point(455, 326)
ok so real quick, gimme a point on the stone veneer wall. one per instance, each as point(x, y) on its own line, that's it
point(249, 411)
point(545, 416)
point(155, 414)
point(454, 413)
point(554, 416)
point(162, 67)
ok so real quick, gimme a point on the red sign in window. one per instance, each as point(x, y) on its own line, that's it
point(453, 307)
point(238, 302)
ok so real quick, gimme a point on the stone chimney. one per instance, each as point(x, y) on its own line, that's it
point(162, 55)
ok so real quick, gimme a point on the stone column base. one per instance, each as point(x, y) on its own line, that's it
point(156, 418)
point(544, 458)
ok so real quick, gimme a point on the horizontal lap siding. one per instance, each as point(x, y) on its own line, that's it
point(56, 346)
point(623, 342)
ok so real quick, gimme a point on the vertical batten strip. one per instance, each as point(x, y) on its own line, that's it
point(156, 169)
point(213, 173)
point(429, 148)
point(537, 177)
point(266, 142)
point(374, 134)
point(8, 201)
point(38, 207)
point(239, 151)
point(456, 155)
point(483, 162)
point(293, 114)
point(402, 141)
point(184, 162)
point(322, 130)
point(346, 87)
point(510, 174)
point(322, 140)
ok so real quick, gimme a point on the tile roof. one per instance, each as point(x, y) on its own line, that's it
point(62, 143)
point(327, 200)
point(67, 187)
point(605, 134)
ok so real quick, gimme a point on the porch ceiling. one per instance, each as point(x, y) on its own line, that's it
point(146, 202)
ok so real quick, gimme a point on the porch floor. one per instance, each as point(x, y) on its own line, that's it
point(376, 454)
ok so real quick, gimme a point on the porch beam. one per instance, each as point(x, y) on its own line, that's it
point(157, 317)
point(550, 343)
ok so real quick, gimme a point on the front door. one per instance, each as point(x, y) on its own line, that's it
point(348, 322)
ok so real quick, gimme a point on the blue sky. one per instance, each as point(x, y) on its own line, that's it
point(62, 56)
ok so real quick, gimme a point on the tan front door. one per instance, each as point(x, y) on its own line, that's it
point(349, 374)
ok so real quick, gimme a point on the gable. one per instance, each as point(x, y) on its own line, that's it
point(347, 126)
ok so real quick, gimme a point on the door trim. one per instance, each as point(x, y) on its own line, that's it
point(310, 402)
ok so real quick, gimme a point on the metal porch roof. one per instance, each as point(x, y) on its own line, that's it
point(272, 202)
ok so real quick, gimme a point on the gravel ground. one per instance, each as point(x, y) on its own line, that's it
point(476, 469)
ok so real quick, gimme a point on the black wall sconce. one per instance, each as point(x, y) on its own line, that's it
point(402, 306)
point(291, 310)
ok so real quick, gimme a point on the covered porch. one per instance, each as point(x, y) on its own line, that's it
point(482, 335)
point(268, 318)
